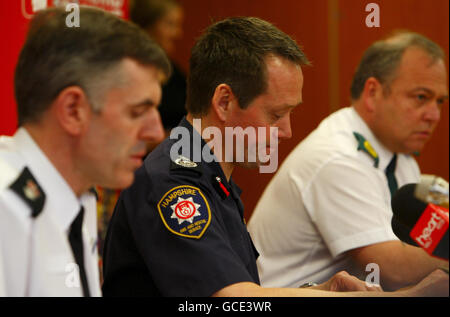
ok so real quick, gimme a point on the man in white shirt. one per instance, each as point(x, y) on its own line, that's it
point(328, 208)
point(87, 107)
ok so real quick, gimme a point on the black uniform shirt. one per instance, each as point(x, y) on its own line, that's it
point(178, 230)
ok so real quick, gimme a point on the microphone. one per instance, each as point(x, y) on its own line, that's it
point(420, 224)
point(433, 189)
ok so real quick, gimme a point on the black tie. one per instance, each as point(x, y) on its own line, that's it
point(390, 174)
point(76, 242)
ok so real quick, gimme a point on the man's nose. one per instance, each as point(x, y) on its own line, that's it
point(153, 130)
point(284, 128)
point(433, 112)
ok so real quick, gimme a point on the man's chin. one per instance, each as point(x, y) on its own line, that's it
point(252, 165)
point(248, 165)
point(121, 182)
point(413, 148)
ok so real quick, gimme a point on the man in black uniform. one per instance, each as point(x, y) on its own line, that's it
point(155, 248)
point(179, 229)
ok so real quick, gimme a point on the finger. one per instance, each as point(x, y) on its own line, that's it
point(353, 284)
point(374, 288)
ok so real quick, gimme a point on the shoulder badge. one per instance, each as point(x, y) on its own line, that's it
point(182, 162)
point(364, 145)
point(185, 162)
point(185, 211)
point(29, 190)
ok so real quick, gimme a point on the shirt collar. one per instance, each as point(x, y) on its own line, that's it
point(383, 152)
point(213, 167)
point(61, 202)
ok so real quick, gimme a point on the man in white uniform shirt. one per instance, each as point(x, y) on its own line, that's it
point(87, 106)
point(328, 208)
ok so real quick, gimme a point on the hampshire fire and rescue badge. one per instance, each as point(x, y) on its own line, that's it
point(185, 211)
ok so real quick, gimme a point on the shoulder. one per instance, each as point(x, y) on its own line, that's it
point(175, 191)
point(22, 185)
point(11, 163)
point(160, 176)
point(334, 135)
point(8, 174)
point(326, 144)
point(15, 176)
point(164, 169)
point(21, 198)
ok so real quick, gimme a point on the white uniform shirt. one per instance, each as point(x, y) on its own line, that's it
point(36, 258)
point(2, 278)
point(327, 198)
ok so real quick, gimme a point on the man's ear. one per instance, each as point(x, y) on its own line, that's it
point(73, 110)
point(371, 93)
point(222, 101)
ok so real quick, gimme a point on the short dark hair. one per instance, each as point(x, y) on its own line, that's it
point(382, 59)
point(146, 13)
point(234, 51)
point(56, 56)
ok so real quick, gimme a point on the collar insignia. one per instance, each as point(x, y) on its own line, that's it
point(185, 162)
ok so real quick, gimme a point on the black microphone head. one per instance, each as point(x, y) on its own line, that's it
point(406, 207)
point(402, 232)
point(407, 210)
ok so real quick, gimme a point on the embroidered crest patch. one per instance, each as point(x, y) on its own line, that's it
point(185, 211)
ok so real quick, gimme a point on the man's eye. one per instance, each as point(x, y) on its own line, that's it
point(421, 97)
point(136, 113)
point(441, 101)
point(276, 117)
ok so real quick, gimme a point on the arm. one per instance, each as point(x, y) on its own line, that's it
point(400, 264)
point(246, 289)
point(435, 284)
point(358, 225)
point(335, 286)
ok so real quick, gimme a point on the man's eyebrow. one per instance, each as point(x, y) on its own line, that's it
point(293, 106)
point(424, 89)
point(144, 103)
point(429, 91)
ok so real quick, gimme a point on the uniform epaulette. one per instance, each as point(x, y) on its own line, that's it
point(365, 146)
point(27, 188)
point(184, 163)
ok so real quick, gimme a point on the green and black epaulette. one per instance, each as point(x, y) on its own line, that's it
point(365, 146)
